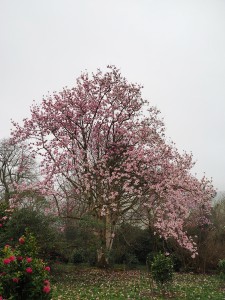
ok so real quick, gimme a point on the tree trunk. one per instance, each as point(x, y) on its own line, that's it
point(107, 236)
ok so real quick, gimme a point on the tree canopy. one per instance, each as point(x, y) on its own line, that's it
point(103, 152)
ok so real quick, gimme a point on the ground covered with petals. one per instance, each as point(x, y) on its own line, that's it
point(88, 283)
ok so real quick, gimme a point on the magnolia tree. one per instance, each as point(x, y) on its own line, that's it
point(100, 154)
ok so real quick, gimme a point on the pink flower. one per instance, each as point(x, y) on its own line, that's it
point(6, 261)
point(21, 240)
point(46, 282)
point(29, 259)
point(46, 289)
point(29, 270)
point(1, 225)
point(12, 258)
point(47, 269)
point(1, 297)
point(15, 279)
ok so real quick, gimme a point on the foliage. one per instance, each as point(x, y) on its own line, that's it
point(210, 240)
point(221, 268)
point(149, 260)
point(134, 240)
point(80, 240)
point(78, 257)
point(130, 260)
point(43, 227)
point(23, 275)
point(162, 269)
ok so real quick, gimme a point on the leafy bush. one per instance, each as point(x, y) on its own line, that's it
point(43, 227)
point(221, 267)
point(23, 276)
point(149, 259)
point(78, 257)
point(137, 241)
point(162, 269)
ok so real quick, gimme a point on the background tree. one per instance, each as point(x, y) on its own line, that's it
point(211, 239)
point(102, 156)
point(17, 167)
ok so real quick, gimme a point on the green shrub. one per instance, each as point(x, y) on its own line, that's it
point(149, 260)
point(221, 267)
point(162, 269)
point(78, 257)
point(23, 276)
point(43, 227)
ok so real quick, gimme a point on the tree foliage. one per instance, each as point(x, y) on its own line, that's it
point(17, 167)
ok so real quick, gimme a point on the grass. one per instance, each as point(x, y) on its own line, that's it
point(71, 282)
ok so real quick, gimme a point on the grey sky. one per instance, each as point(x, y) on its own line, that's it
point(176, 49)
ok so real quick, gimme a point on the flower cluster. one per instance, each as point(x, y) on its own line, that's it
point(5, 214)
point(22, 274)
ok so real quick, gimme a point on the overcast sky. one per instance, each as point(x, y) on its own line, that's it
point(176, 49)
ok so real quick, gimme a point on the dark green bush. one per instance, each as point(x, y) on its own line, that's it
point(162, 269)
point(78, 257)
point(41, 226)
point(221, 268)
point(149, 259)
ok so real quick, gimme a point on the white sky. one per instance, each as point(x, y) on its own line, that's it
point(175, 48)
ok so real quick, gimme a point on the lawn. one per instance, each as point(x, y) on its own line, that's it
point(71, 282)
